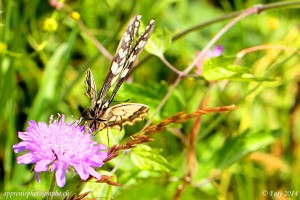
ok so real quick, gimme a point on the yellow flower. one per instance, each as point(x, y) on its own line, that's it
point(50, 25)
point(75, 15)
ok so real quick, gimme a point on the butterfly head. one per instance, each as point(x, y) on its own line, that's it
point(96, 115)
point(102, 105)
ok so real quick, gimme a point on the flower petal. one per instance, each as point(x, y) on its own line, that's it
point(82, 172)
point(27, 158)
point(60, 177)
point(94, 173)
point(21, 146)
point(23, 135)
point(42, 165)
point(37, 177)
point(97, 160)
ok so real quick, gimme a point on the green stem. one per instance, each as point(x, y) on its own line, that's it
point(50, 197)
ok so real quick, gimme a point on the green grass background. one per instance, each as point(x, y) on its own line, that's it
point(44, 54)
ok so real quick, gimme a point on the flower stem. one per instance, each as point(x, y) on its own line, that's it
point(50, 197)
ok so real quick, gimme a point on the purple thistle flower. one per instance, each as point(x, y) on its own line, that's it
point(58, 146)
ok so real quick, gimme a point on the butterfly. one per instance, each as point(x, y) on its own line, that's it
point(102, 115)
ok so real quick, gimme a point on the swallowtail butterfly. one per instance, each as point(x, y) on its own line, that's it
point(101, 114)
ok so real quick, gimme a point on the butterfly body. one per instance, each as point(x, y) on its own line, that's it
point(102, 115)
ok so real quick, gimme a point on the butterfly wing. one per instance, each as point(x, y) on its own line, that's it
point(91, 88)
point(120, 58)
point(123, 114)
point(125, 69)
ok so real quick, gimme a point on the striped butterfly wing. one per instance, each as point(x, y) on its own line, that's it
point(103, 116)
point(120, 58)
point(132, 54)
point(91, 88)
point(123, 114)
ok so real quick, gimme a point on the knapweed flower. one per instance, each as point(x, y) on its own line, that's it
point(57, 147)
point(217, 51)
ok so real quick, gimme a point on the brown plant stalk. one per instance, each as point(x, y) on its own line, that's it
point(143, 135)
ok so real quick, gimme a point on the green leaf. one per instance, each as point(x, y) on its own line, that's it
point(159, 42)
point(99, 190)
point(238, 147)
point(110, 136)
point(222, 68)
point(150, 94)
point(145, 158)
point(138, 93)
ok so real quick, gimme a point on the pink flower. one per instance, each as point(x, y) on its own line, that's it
point(59, 146)
point(218, 50)
point(56, 4)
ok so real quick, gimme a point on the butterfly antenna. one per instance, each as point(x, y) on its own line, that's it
point(121, 101)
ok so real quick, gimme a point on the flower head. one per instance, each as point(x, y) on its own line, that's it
point(217, 51)
point(59, 146)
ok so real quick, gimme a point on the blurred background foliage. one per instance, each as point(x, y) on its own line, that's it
point(45, 51)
